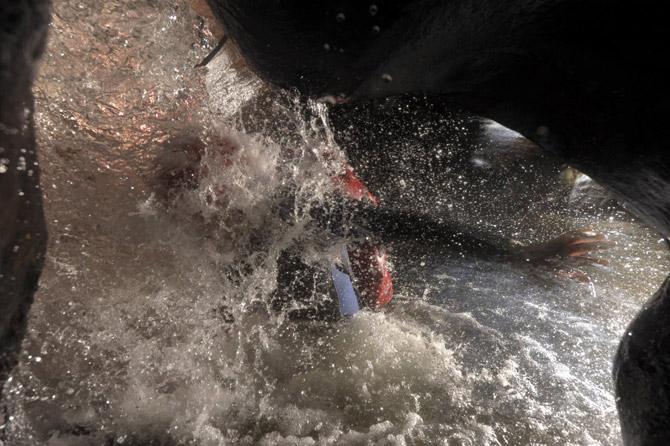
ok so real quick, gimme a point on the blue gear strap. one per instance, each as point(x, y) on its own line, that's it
point(346, 295)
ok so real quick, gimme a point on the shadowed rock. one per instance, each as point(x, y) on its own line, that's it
point(23, 25)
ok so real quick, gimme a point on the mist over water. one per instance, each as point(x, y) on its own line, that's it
point(166, 197)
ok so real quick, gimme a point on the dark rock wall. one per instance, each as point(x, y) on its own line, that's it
point(23, 29)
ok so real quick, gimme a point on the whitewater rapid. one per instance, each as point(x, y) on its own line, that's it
point(154, 325)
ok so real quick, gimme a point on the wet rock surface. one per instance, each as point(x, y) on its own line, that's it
point(23, 27)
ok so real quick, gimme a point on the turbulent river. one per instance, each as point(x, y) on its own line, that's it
point(153, 323)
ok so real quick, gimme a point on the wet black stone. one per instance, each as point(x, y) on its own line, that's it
point(22, 229)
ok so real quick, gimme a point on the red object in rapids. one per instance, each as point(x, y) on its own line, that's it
point(368, 266)
point(352, 187)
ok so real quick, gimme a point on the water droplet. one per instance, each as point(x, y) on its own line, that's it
point(373, 9)
point(340, 18)
point(387, 78)
point(376, 30)
point(326, 47)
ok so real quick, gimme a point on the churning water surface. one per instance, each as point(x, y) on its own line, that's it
point(164, 191)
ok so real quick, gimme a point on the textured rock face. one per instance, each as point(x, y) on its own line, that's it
point(23, 28)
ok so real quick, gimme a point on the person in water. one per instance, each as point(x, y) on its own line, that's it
point(361, 278)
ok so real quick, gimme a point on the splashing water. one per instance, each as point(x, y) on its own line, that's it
point(165, 191)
